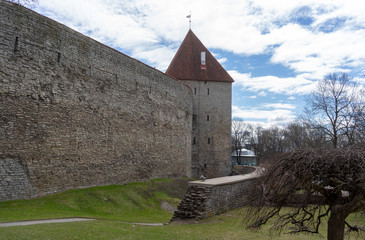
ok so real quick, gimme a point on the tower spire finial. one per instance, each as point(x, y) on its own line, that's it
point(189, 16)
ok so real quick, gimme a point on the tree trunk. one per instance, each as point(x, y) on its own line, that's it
point(336, 226)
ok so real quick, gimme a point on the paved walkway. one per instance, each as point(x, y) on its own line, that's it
point(229, 179)
point(61, 220)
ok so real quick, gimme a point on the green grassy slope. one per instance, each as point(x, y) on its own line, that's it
point(135, 202)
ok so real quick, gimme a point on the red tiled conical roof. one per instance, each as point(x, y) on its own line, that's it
point(186, 65)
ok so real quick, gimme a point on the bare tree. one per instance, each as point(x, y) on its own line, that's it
point(321, 183)
point(298, 135)
point(255, 140)
point(240, 135)
point(273, 140)
point(330, 107)
point(354, 123)
point(267, 141)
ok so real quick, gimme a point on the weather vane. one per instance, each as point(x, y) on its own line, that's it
point(189, 16)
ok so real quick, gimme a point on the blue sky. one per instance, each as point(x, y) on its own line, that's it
point(275, 50)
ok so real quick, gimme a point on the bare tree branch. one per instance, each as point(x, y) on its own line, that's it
point(333, 108)
point(317, 183)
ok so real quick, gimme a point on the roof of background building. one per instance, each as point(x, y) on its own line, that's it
point(186, 65)
point(244, 153)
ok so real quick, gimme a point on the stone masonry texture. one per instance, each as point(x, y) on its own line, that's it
point(216, 196)
point(211, 151)
point(203, 200)
point(75, 113)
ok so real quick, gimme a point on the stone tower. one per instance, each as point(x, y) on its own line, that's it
point(212, 94)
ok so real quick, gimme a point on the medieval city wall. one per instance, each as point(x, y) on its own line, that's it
point(75, 113)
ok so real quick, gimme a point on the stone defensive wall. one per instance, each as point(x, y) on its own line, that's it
point(75, 113)
point(214, 196)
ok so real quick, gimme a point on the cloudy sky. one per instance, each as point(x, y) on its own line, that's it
point(275, 50)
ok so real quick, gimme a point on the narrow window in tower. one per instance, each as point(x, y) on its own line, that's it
point(205, 165)
point(58, 57)
point(208, 140)
point(194, 91)
point(16, 45)
point(208, 118)
point(194, 117)
point(202, 61)
point(207, 91)
point(194, 140)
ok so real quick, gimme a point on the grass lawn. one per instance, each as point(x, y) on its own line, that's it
point(137, 202)
point(225, 226)
point(134, 202)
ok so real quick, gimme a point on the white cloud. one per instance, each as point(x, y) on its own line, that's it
point(301, 84)
point(222, 60)
point(319, 53)
point(254, 115)
point(102, 20)
point(159, 57)
point(262, 94)
point(278, 106)
point(242, 27)
point(360, 80)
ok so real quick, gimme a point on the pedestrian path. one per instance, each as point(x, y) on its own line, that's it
point(61, 220)
point(64, 220)
point(228, 179)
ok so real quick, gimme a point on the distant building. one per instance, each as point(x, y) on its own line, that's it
point(212, 101)
point(244, 156)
